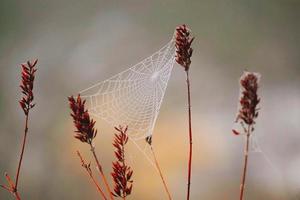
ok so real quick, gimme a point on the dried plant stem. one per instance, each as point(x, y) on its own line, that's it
point(5, 188)
point(160, 173)
point(246, 153)
point(89, 172)
point(17, 195)
point(124, 165)
point(183, 57)
point(101, 172)
point(97, 185)
point(26, 103)
point(22, 151)
point(11, 187)
point(190, 135)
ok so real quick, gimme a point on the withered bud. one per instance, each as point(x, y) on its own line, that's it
point(122, 173)
point(85, 130)
point(249, 100)
point(28, 75)
point(183, 46)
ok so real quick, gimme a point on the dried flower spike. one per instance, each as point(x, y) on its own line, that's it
point(84, 124)
point(26, 103)
point(183, 46)
point(249, 100)
point(28, 75)
point(246, 116)
point(122, 173)
point(183, 57)
point(86, 131)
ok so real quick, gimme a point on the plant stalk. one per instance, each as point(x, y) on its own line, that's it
point(22, 151)
point(246, 153)
point(101, 172)
point(97, 185)
point(17, 195)
point(123, 162)
point(190, 135)
point(11, 187)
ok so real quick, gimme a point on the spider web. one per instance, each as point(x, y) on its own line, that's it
point(133, 97)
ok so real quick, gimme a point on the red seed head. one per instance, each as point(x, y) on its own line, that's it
point(28, 75)
point(122, 173)
point(183, 46)
point(85, 130)
point(249, 99)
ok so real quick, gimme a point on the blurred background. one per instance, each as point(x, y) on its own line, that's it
point(79, 43)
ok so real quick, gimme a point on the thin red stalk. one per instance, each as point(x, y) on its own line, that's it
point(26, 103)
point(5, 187)
point(22, 151)
point(17, 195)
point(190, 135)
point(97, 185)
point(123, 162)
point(101, 172)
point(89, 172)
point(11, 188)
point(246, 152)
point(161, 174)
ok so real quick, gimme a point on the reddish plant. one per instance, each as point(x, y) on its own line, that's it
point(122, 173)
point(88, 169)
point(26, 103)
point(246, 116)
point(248, 111)
point(86, 132)
point(183, 57)
point(183, 46)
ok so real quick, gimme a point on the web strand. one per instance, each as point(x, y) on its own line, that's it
point(133, 97)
